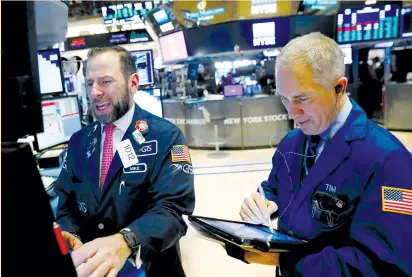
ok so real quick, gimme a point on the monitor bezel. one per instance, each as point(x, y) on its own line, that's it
point(380, 6)
point(61, 73)
point(35, 142)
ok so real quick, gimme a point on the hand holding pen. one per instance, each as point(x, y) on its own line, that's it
point(257, 210)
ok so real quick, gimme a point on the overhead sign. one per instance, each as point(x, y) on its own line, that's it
point(135, 36)
point(204, 14)
point(263, 7)
point(119, 14)
point(78, 43)
point(264, 33)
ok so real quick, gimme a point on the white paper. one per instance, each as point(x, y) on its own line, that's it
point(127, 153)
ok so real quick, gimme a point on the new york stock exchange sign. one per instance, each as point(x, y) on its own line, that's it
point(232, 121)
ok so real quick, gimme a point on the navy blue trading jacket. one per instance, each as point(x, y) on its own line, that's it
point(354, 206)
point(151, 201)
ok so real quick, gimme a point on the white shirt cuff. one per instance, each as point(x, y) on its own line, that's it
point(136, 260)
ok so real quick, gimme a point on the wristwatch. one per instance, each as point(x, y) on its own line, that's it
point(131, 239)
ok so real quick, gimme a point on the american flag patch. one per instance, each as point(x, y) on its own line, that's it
point(180, 153)
point(397, 200)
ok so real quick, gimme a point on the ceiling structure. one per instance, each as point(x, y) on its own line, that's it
point(80, 10)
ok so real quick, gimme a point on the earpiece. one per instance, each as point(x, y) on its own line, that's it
point(338, 89)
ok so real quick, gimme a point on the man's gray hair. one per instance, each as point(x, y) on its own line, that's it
point(320, 53)
point(126, 59)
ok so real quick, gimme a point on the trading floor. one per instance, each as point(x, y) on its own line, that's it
point(221, 184)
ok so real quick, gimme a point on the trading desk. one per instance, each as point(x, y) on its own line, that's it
point(397, 107)
point(242, 122)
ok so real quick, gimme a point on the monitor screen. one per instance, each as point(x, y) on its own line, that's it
point(143, 60)
point(61, 119)
point(368, 24)
point(217, 38)
point(406, 22)
point(264, 33)
point(233, 90)
point(173, 47)
point(50, 71)
point(192, 70)
point(118, 14)
point(149, 100)
point(347, 52)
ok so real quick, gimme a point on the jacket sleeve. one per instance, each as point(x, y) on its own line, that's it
point(381, 241)
point(68, 215)
point(172, 194)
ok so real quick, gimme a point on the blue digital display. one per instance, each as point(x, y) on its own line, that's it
point(368, 24)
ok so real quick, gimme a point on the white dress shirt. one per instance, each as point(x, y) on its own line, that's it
point(122, 124)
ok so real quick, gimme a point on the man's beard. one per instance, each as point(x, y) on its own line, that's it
point(120, 108)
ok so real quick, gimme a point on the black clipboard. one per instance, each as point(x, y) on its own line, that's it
point(246, 235)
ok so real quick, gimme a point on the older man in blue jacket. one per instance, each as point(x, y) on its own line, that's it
point(339, 181)
point(127, 179)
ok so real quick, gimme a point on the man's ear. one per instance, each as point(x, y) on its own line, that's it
point(134, 82)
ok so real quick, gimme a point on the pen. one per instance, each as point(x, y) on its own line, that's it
point(262, 193)
point(122, 184)
point(60, 240)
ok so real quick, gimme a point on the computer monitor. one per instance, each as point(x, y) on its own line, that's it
point(50, 71)
point(233, 90)
point(143, 61)
point(61, 119)
point(406, 22)
point(149, 100)
point(173, 47)
point(29, 220)
point(369, 23)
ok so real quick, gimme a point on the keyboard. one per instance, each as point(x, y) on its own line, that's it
point(47, 181)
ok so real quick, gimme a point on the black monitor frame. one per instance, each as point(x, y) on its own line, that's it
point(54, 93)
point(35, 143)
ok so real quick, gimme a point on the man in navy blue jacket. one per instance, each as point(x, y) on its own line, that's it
point(127, 179)
point(339, 180)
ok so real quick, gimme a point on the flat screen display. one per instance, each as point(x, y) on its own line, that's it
point(264, 33)
point(173, 47)
point(368, 24)
point(233, 90)
point(126, 13)
point(218, 38)
point(61, 119)
point(347, 52)
point(143, 60)
point(250, 232)
point(50, 71)
point(406, 22)
point(149, 100)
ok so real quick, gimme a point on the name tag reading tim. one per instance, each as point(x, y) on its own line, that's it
point(127, 153)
